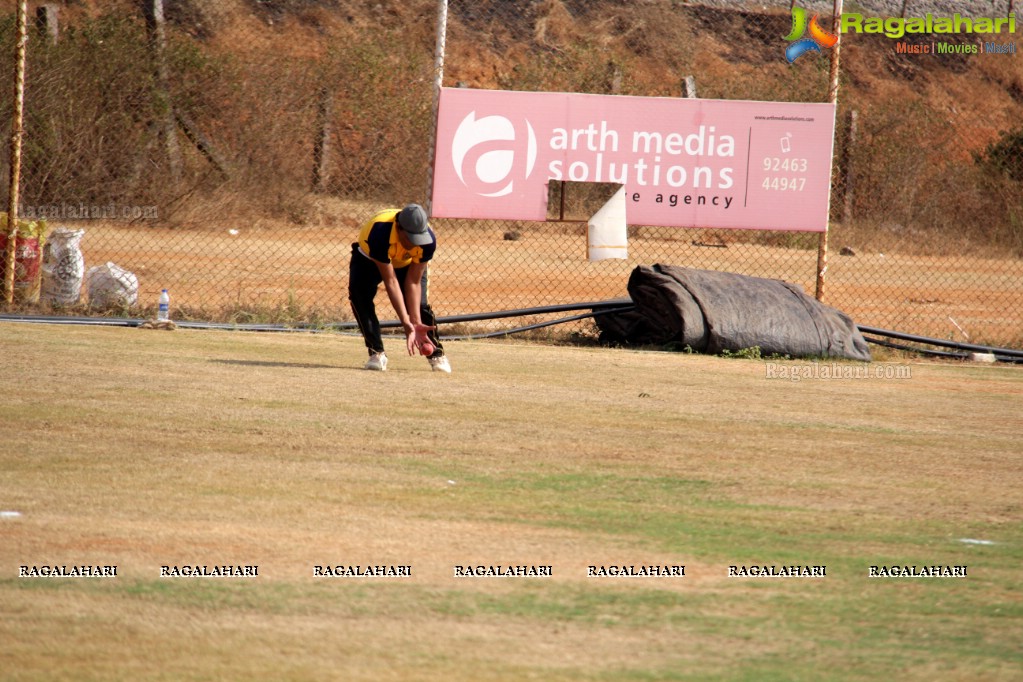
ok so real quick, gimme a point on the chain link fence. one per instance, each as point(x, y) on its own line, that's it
point(228, 150)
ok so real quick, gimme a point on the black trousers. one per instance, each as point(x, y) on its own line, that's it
point(363, 283)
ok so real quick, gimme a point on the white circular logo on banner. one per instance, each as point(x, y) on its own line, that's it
point(488, 155)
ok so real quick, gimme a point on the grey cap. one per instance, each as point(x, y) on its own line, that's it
point(412, 221)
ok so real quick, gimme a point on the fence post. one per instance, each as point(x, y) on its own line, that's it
point(689, 87)
point(846, 169)
point(321, 147)
point(16, 133)
point(156, 23)
point(47, 22)
point(822, 242)
point(438, 83)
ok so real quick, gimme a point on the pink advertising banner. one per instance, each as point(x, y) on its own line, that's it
point(683, 162)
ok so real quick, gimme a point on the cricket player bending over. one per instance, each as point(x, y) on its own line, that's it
point(395, 248)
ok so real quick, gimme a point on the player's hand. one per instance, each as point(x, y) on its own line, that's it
point(422, 339)
point(416, 335)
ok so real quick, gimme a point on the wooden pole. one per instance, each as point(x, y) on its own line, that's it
point(47, 22)
point(202, 143)
point(156, 23)
point(321, 147)
point(689, 87)
point(822, 242)
point(616, 79)
point(17, 120)
point(848, 189)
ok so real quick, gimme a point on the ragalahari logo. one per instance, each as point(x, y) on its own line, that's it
point(818, 36)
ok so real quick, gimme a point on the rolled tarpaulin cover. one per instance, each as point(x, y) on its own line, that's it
point(710, 312)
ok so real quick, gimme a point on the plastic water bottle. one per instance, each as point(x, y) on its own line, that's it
point(163, 312)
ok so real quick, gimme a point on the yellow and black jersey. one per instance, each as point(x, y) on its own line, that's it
point(378, 239)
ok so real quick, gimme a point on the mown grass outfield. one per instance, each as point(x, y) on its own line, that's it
point(143, 448)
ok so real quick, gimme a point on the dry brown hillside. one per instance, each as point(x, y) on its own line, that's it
point(647, 46)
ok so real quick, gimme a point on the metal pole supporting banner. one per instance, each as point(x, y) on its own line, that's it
point(438, 83)
point(822, 243)
point(16, 134)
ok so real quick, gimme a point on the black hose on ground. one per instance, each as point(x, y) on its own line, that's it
point(954, 355)
point(596, 308)
point(537, 325)
point(940, 342)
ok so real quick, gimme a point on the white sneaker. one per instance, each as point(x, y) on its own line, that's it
point(440, 364)
point(377, 362)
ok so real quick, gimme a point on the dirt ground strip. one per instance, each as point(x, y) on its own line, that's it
point(478, 270)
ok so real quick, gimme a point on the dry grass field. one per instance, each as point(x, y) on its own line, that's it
point(147, 448)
